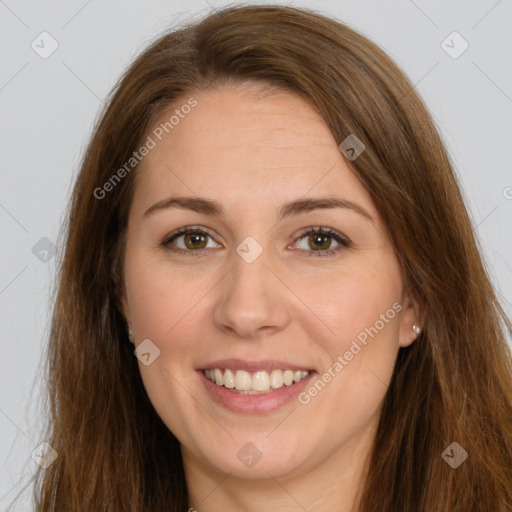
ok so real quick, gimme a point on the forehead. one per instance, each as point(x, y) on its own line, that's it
point(241, 145)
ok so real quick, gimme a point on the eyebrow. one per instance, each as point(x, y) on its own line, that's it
point(296, 207)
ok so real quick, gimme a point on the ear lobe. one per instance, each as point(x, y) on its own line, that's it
point(412, 315)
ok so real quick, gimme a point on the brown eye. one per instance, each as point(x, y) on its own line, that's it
point(319, 241)
point(195, 240)
point(189, 239)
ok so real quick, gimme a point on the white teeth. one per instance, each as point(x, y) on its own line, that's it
point(260, 382)
point(276, 379)
point(288, 378)
point(229, 379)
point(243, 380)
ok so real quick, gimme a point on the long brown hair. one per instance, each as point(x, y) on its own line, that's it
point(453, 384)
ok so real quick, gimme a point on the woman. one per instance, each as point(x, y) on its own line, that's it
point(271, 295)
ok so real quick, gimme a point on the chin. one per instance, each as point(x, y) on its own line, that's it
point(254, 457)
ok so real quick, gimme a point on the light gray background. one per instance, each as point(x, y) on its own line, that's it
point(48, 107)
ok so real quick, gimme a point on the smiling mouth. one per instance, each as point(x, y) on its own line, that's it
point(254, 383)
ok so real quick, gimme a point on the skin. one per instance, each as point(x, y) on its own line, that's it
point(252, 154)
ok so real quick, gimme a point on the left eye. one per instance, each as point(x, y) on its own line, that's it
point(322, 239)
point(195, 240)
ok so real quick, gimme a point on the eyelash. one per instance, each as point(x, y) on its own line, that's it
point(343, 241)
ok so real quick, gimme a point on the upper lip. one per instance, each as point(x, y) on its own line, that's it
point(254, 366)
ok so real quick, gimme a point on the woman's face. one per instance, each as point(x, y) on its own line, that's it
point(256, 298)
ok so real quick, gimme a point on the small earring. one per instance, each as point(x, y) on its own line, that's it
point(130, 335)
point(416, 328)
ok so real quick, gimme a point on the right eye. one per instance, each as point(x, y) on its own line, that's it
point(193, 240)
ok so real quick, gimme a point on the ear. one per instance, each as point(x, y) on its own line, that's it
point(412, 314)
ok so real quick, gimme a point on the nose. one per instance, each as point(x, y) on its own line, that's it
point(254, 302)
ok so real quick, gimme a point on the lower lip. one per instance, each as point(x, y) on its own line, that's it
point(254, 404)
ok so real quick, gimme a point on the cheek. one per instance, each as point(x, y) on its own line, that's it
point(164, 307)
point(160, 297)
point(353, 300)
point(361, 308)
